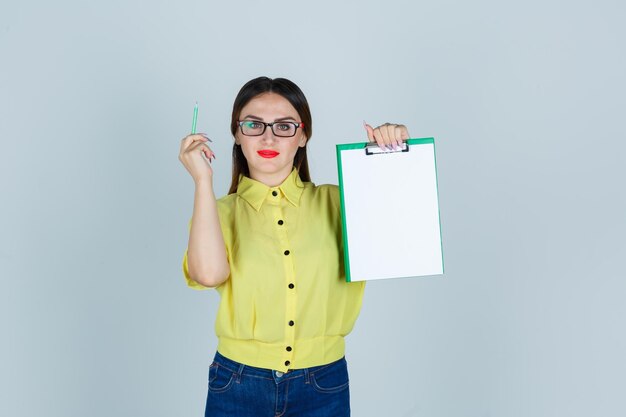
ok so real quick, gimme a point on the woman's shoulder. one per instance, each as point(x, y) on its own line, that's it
point(227, 199)
point(323, 191)
point(226, 203)
point(322, 188)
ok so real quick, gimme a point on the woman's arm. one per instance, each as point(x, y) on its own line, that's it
point(206, 251)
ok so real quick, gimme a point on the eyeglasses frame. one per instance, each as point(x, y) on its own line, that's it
point(271, 125)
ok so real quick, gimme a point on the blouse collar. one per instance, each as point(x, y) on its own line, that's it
point(255, 192)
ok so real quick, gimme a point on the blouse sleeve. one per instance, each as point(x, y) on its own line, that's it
point(190, 282)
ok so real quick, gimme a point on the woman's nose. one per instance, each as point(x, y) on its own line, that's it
point(268, 135)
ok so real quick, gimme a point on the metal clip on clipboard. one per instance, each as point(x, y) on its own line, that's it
point(373, 149)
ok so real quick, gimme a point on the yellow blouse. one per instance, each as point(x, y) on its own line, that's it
point(286, 304)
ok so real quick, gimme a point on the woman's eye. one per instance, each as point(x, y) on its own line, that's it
point(253, 125)
point(283, 126)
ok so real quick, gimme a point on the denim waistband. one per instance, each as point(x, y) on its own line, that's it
point(240, 369)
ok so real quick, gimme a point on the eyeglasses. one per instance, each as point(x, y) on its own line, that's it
point(257, 128)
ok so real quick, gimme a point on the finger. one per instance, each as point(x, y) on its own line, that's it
point(201, 148)
point(394, 134)
point(394, 142)
point(379, 139)
point(188, 157)
point(195, 138)
point(370, 131)
point(384, 134)
point(206, 136)
point(404, 132)
point(394, 137)
point(208, 153)
point(189, 140)
point(397, 135)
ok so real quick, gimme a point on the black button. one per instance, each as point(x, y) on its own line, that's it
point(291, 286)
point(286, 252)
point(291, 323)
point(280, 222)
point(274, 193)
point(288, 348)
point(287, 363)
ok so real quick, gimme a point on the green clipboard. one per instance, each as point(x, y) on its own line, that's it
point(390, 210)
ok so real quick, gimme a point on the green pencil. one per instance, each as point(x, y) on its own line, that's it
point(195, 119)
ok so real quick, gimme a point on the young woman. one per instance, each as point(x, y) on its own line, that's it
point(272, 248)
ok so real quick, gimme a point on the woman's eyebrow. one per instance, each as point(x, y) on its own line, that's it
point(280, 119)
point(251, 116)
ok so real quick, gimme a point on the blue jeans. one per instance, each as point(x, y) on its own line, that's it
point(238, 390)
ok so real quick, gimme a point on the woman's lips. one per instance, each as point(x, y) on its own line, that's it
point(267, 153)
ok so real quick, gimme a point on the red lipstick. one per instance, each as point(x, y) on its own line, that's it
point(266, 153)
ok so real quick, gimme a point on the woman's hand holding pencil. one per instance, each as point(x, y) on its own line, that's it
point(194, 150)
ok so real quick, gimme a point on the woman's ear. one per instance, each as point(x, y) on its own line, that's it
point(303, 141)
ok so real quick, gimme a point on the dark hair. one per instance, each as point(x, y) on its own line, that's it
point(295, 96)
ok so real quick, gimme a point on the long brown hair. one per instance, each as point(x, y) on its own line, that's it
point(295, 96)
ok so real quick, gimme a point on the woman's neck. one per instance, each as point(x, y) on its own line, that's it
point(273, 179)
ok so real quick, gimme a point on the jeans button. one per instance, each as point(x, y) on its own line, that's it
point(279, 374)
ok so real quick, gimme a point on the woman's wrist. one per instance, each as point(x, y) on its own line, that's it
point(204, 183)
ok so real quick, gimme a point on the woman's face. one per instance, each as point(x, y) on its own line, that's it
point(270, 157)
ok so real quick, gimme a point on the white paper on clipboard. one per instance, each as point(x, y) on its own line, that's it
point(390, 211)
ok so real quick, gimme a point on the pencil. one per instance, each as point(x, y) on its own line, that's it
point(195, 119)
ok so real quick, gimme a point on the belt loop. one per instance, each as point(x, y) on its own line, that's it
point(239, 373)
point(306, 375)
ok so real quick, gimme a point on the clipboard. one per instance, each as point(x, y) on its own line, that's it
point(390, 210)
